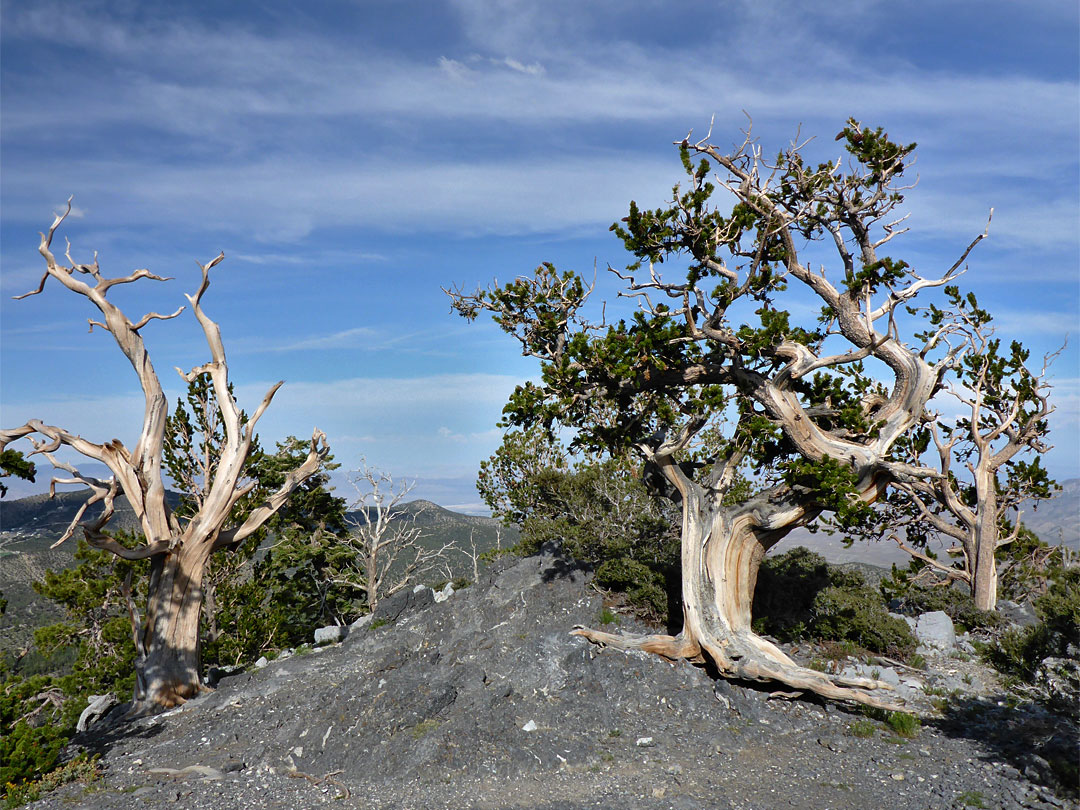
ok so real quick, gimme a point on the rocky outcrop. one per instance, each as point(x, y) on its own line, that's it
point(485, 700)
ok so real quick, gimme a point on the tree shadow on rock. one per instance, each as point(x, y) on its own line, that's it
point(118, 725)
point(557, 565)
point(1036, 741)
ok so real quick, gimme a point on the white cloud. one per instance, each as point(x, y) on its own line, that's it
point(533, 69)
point(536, 78)
point(389, 420)
point(546, 118)
point(449, 435)
point(284, 199)
point(346, 338)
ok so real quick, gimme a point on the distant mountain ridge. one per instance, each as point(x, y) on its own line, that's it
point(1056, 521)
point(40, 514)
point(36, 521)
point(30, 526)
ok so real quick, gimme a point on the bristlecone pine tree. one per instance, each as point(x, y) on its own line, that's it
point(167, 637)
point(797, 403)
point(983, 456)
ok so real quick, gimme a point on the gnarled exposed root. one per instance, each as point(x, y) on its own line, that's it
point(747, 656)
point(674, 648)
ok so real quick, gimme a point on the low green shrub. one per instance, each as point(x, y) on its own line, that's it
point(799, 596)
point(82, 768)
point(38, 715)
point(862, 729)
point(786, 587)
point(857, 614)
point(956, 601)
point(903, 724)
point(602, 516)
point(1018, 652)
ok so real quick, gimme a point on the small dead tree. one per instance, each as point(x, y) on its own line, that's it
point(388, 549)
point(975, 500)
point(167, 639)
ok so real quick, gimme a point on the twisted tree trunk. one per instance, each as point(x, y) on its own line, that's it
point(169, 670)
point(985, 536)
point(722, 551)
point(168, 663)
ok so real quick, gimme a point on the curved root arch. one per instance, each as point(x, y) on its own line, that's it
point(747, 656)
point(721, 554)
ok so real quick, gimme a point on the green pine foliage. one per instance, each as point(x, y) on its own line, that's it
point(599, 511)
point(800, 596)
point(38, 712)
point(258, 600)
point(12, 462)
point(262, 601)
point(38, 715)
point(989, 456)
point(603, 516)
point(283, 591)
point(1018, 652)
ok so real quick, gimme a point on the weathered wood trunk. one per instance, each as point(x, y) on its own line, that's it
point(721, 554)
point(169, 671)
point(984, 565)
point(168, 642)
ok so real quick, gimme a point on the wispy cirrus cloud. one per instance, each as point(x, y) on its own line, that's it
point(351, 164)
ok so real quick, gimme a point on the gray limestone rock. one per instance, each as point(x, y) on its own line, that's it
point(393, 607)
point(334, 634)
point(935, 630)
point(1021, 615)
point(362, 622)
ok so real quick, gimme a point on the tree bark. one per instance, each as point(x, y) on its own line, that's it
point(169, 674)
point(721, 553)
point(984, 566)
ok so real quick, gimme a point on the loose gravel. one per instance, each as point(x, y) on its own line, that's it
point(486, 701)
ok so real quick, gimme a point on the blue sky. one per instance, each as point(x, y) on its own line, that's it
point(352, 158)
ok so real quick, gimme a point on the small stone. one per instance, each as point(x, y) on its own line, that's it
point(890, 676)
point(363, 621)
point(674, 770)
point(935, 630)
point(899, 777)
point(334, 634)
point(262, 662)
point(658, 792)
point(530, 726)
point(644, 742)
point(445, 593)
